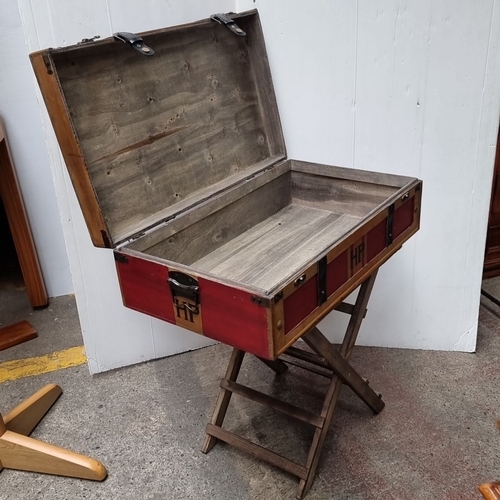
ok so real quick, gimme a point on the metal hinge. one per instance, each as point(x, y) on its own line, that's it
point(48, 63)
point(119, 257)
point(135, 41)
point(260, 301)
point(227, 21)
point(87, 40)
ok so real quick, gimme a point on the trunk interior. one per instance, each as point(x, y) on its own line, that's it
point(285, 219)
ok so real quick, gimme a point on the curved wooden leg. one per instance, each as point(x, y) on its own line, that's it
point(25, 453)
point(25, 417)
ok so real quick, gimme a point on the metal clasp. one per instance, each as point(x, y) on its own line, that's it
point(183, 287)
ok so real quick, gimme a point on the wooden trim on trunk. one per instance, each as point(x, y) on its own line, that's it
point(59, 116)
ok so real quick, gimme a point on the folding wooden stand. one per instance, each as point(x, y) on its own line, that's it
point(18, 451)
point(327, 361)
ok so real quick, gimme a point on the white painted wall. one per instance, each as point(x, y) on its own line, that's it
point(21, 114)
point(406, 87)
point(396, 86)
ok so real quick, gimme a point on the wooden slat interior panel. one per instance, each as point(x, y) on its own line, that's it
point(343, 196)
point(275, 231)
point(209, 234)
point(277, 247)
point(154, 130)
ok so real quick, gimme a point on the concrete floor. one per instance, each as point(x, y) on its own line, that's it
point(436, 438)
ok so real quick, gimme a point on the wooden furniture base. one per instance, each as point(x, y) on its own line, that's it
point(20, 452)
point(325, 360)
point(490, 491)
point(11, 197)
point(16, 334)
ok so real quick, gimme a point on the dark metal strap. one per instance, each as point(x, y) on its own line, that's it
point(227, 21)
point(390, 226)
point(135, 41)
point(322, 294)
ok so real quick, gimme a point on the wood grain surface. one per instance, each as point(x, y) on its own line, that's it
point(16, 334)
point(154, 130)
point(17, 217)
point(277, 247)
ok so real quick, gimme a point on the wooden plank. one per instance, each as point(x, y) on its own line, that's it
point(10, 194)
point(357, 315)
point(208, 194)
point(351, 174)
point(16, 334)
point(310, 357)
point(344, 370)
point(24, 453)
point(152, 145)
point(257, 451)
point(70, 148)
point(275, 364)
point(357, 198)
point(233, 368)
point(202, 208)
point(26, 416)
point(334, 388)
point(309, 368)
point(277, 247)
point(211, 233)
point(275, 404)
point(319, 437)
point(347, 308)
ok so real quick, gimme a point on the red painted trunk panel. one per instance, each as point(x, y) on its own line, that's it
point(377, 240)
point(228, 314)
point(336, 273)
point(403, 217)
point(145, 288)
point(231, 317)
point(301, 303)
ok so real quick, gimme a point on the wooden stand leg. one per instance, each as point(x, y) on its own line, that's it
point(344, 370)
point(276, 365)
point(233, 368)
point(17, 451)
point(326, 361)
point(336, 382)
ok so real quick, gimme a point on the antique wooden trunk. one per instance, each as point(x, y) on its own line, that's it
point(177, 157)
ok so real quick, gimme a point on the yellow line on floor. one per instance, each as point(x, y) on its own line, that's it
point(59, 360)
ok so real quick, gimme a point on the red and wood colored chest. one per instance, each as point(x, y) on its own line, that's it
point(176, 154)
